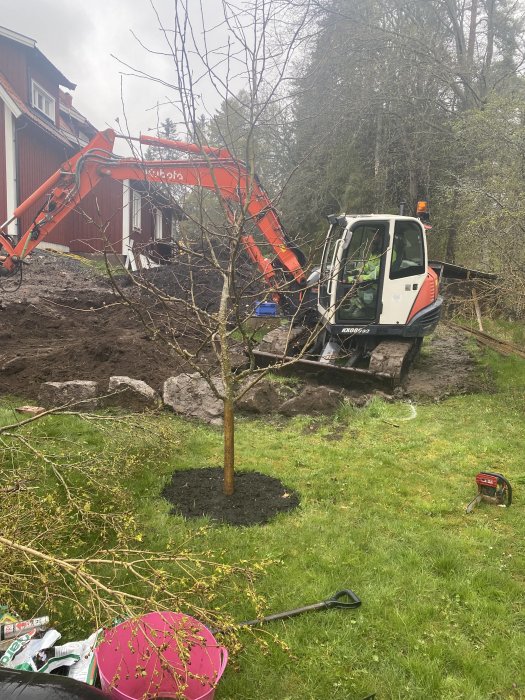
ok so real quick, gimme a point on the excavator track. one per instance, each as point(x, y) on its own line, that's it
point(393, 358)
point(389, 361)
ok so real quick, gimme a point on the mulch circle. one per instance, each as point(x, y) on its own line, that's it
point(194, 493)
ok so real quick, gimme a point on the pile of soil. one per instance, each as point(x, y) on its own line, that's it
point(66, 322)
point(258, 498)
point(205, 282)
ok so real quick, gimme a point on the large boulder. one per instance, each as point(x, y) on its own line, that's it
point(53, 394)
point(264, 397)
point(191, 395)
point(312, 400)
point(131, 394)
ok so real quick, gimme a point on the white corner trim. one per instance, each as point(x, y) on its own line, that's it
point(10, 167)
point(10, 104)
point(126, 202)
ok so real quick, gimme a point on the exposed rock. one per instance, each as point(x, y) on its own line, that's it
point(191, 395)
point(132, 394)
point(311, 400)
point(238, 357)
point(60, 393)
point(262, 398)
point(17, 364)
point(31, 410)
point(284, 340)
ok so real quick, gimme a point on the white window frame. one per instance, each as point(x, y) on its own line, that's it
point(157, 224)
point(47, 102)
point(136, 210)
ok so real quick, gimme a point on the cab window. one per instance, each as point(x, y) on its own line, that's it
point(365, 245)
point(408, 252)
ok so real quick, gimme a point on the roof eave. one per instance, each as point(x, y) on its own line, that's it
point(62, 80)
point(31, 44)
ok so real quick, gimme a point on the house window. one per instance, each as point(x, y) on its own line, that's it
point(42, 100)
point(136, 211)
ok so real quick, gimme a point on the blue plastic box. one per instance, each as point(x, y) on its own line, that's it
point(266, 308)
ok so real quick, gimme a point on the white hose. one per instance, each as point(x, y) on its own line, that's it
point(413, 411)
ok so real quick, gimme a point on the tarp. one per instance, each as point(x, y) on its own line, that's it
point(26, 685)
point(458, 272)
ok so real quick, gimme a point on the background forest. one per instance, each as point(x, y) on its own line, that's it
point(389, 101)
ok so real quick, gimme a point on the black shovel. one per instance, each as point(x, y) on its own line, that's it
point(345, 599)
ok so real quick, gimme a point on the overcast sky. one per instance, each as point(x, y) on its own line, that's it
point(79, 37)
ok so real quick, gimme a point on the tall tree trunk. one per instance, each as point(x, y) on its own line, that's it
point(450, 253)
point(472, 34)
point(452, 239)
point(487, 64)
point(229, 447)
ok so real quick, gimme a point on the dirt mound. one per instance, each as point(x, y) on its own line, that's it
point(59, 343)
point(205, 281)
point(65, 322)
point(194, 493)
point(48, 275)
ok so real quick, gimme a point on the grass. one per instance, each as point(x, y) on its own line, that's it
point(383, 513)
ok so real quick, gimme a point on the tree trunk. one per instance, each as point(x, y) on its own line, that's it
point(228, 385)
point(450, 253)
point(229, 447)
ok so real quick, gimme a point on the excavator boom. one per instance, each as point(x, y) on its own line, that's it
point(208, 168)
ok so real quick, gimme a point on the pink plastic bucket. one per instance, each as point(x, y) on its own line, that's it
point(160, 655)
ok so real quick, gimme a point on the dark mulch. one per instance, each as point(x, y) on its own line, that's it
point(257, 498)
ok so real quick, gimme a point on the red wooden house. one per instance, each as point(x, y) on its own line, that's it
point(39, 130)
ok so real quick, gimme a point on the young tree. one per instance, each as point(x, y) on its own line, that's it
point(224, 266)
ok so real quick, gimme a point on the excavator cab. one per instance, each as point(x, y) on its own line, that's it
point(375, 287)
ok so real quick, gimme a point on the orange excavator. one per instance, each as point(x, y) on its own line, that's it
point(213, 169)
point(376, 296)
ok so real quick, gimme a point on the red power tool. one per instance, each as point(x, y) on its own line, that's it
point(493, 488)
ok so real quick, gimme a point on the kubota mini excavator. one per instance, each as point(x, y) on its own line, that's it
point(376, 295)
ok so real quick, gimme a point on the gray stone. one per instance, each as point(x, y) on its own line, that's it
point(311, 400)
point(238, 357)
point(284, 340)
point(191, 395)
point(262, 398)
point(53, 394)
point(132, 394)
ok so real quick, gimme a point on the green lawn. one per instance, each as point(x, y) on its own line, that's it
point(382, 512)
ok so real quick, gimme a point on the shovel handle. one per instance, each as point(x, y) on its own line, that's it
point(345, 599)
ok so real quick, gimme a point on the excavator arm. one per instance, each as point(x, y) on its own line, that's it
point(208, 168)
